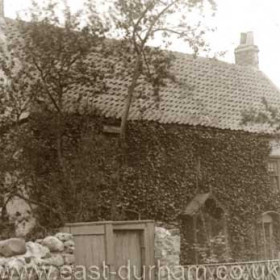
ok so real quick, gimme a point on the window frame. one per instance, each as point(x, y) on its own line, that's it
point(274, 174)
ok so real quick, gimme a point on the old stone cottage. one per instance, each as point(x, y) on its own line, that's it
point(190, 162)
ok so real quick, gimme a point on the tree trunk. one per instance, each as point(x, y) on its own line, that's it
point(67, 180)
point(130, 91)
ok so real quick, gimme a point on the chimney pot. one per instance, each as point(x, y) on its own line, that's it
point(243, 38)
point(246, 53)
point(250, 38)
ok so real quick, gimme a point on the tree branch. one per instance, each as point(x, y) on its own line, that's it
point(44, 85)
point(156, 19)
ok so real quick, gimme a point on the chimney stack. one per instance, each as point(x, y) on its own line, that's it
point(2, 14)
point(246, 53)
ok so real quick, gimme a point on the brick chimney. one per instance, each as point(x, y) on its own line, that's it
point(246, 53)
point(2, 14)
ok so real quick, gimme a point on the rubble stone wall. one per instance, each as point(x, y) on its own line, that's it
point(167, 253)
point(52, 256)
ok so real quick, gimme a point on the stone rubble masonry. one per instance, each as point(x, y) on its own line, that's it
point(12, 247)
point(167, 253)
point(53, 243)
point(52, 253)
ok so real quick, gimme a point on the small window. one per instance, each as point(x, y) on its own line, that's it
point(273, 170)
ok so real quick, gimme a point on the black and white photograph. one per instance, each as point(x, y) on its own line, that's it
point(139, 140)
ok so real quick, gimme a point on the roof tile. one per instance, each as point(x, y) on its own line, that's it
point(210, 93)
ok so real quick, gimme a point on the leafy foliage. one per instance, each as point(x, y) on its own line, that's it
point(42, 60)
point(268, 116)
point(157, 180)
point(50, 57)
point(137, 23)
point(70, 168)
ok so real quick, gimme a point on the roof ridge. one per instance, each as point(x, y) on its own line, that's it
point(211, 93)
point(218, 61)
point(190, 55)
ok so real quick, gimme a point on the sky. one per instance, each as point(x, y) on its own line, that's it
point(232, 18)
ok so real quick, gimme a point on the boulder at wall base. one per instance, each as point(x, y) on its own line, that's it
point(69, 246)
point(16, 263)
point(64, 236)
point(12, 247)
point(53, 243)
point(54, 260)
point(37, 250)
point(66, 271)
point(68, 259)
point(3, 261)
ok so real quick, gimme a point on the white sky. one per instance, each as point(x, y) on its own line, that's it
point(232, 18)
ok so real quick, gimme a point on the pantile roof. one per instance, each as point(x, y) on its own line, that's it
point(209, 93)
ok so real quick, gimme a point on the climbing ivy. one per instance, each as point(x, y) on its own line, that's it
point(158, 177)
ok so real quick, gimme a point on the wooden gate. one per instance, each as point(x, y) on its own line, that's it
point(119, 250)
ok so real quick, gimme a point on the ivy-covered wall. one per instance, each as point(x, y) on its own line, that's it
point(175, 162)
point(164, 167)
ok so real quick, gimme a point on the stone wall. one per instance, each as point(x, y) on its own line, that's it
point(167, 253)
point(52, 256)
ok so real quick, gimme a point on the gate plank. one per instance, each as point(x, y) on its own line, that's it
point(114, 243)
point(128, 254)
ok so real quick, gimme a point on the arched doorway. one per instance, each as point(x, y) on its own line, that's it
point(204, 227)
